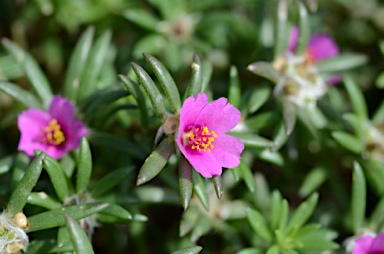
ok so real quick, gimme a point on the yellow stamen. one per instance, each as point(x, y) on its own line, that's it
point(53, 133)
point(200, 139)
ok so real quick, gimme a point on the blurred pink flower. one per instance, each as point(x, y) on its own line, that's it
point(201, 136)
point(370, 245)
point(320, 46)
point(55, 132)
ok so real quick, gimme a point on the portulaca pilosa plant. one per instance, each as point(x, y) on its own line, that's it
point(212, 160)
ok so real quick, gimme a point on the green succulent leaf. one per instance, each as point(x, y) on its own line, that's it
point(43, 200)
point(84, 166)
point(156, 161)
point(31, 69)
point(23, 96)
point(189, 250)
point(185, 181)
point(77, 63)
point(78, 236)
point(358, 198)
point(57, 176)
point(265, 70)
point(259, 224)
point(55, 218)
point(151, 90)
point(20, 194)
point(166, 81)
point(196, 84)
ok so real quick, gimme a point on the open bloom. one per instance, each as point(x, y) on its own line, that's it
point(370, 245)
point(201, 136)
point(55, 132)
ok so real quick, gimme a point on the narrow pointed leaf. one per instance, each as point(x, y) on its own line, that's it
point(207, 75)
point(77, 63)
point(253, 140)
point(259, 224)
point(356, 97)
point(281, 31)
point(195, 86)
point(348, 141)
point(189, 250)
point(78, 236)
point(200, 189)
point(247, 176)
point(234, 92)
point(218, 185)
point(57, 176)
point(84, 166)
point(142, 18)
point(43, 200)
point(304, 29)
point(289, 115)
point(264, 69)
point(358, 198)
point(341, 62)
point(156, 161)
point(139, 96)
point(377, 216)
point(94, 65)
point(279, 137)
point(185, 182)
point(284, 212)
point(109, 181)
point(32, 70)
point(55, 218)
point(303, 212)
point(259, 96)
point(63, 240)
point(117, 211)
point(312, 181)
point(150, 88)
point(275, 211)
point(202, 227)
point(24, 97)
point(20, 194)
point(6, 164)
point(166, 81)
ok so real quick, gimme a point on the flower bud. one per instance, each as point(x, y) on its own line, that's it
point(20, 220)
point(171, 124)
point(14, 247)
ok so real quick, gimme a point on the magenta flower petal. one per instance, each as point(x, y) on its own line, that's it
point(56, 132)
point(294, 36)
point(201, 136)
point(228, 150)
point(219, 115)
point(191, 109)
point(362, 245)
point(334, 79)
point(206, 164)
point(61, 108)
point(30, 123)
point(321, 46)
point(377, 246)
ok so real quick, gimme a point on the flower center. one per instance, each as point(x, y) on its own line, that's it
point(200, 139)
point(53, 134)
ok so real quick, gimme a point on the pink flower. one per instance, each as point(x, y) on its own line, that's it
point(55, 132)
point(370, 245)
point(320, 46)
point(201, 136)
